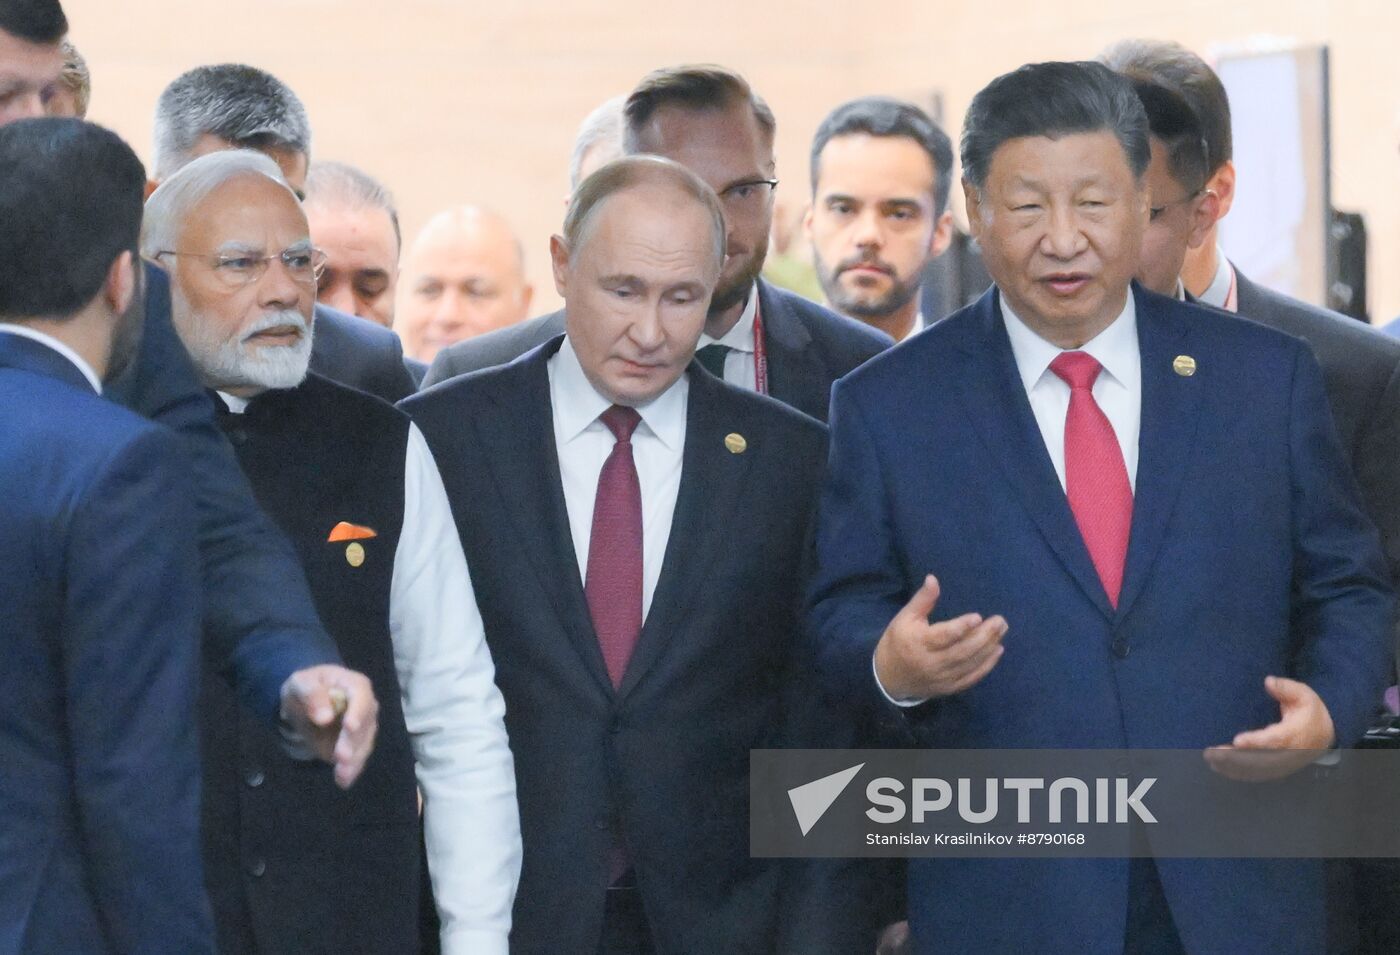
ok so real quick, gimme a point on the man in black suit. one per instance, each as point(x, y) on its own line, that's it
point(234, 107)
point(757, 337)
point(643, 619)
point(258, 615)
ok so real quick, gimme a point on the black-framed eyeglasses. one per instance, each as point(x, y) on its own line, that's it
point(237, 269)
point(1156, 211)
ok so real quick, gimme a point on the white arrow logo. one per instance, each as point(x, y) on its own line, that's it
point(811, 801)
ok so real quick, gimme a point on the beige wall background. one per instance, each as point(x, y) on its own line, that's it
point(452, 101)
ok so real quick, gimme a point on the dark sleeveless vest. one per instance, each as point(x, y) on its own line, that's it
point(294, 865)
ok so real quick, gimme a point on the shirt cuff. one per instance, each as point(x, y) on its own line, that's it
point(903, 704)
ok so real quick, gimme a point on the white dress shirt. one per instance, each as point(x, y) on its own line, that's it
point(1218, 292)
point(24, 331)
point(454, 714)
point(584, 443)
point(740, 365)
point(1117, 390)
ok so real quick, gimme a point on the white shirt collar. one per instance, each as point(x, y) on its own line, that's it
point(1180, 293)
point(1115, 348)
point(577, 404)
point(24, 331)
point(1218, 292)
point(740, 337)
point(235, 404)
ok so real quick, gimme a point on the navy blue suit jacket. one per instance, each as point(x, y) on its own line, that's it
point(1249, 555)
point(99, 792)
point(257, 609)
point(809, 347)
point(362, 354)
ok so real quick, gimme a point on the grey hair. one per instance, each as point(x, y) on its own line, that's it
point(341, 182)
point(604, 124)
point(242, 105)
point(629, 172)
point(171, 204)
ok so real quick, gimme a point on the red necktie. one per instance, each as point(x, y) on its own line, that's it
point(1096, 480)
point(613, 584)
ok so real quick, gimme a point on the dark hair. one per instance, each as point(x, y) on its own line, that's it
point(70, 198)
point(1172, 120)
point(34, 21)
point(1053, 99)
point(1187, 75)
point(883, 116)
point(702, 88)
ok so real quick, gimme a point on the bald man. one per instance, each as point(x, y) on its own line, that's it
point(463, 275)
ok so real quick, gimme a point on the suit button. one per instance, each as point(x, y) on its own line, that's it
point(602, 822)
point(615, 725)
point(257, 868)
point(1120, 647)
point(254, 778)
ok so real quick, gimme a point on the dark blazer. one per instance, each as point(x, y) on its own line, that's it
point(280, 837)
point(99, 847)
point(417, 370)
point(258, 614)
point(721, 668)
point(1249, 555)
point(1361, 371)
point(809, 347)
point(361, 354)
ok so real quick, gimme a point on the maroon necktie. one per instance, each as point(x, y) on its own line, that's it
point(1096, 480)
point(613, 585)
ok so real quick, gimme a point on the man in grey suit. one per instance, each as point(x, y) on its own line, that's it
point(757, 337)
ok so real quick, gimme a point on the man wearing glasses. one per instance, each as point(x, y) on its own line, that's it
point(293, 864)
point(760, 338)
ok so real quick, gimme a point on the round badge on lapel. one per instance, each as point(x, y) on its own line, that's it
point(355, 554)
point(736, 443)
point(1184, 365)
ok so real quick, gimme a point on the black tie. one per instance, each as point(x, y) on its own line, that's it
point(712, 358)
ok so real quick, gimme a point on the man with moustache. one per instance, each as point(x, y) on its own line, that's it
point(1109, 485)
point(881, 171)
point(758, 337)
point(295, 866)
point(645, 626)
point(232, 106)
point(99, 851)
point(259, 623)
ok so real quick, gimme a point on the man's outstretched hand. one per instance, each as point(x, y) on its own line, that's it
point(918, 660)
point(333, 711)
point(1303, 733)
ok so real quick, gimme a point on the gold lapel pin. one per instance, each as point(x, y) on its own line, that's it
point(735, 443)
point(1184, 365)
point(355, 554)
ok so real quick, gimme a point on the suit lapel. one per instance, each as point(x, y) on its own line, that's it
point(1171, 406)
point(712, 481)
point(996, 401)
point(520, 445)
point(796, 376)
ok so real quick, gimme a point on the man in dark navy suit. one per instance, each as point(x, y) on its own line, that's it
point(644, 622)
point(758, 337)
point(230, 106)
point(1143, 529)
point(99, 851)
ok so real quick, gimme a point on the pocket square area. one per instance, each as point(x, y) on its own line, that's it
point(345, 531)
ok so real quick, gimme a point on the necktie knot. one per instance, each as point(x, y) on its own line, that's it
point(1077, 369)
point(621, 421)
point(712, 358)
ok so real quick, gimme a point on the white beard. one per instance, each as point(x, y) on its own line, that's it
point(227, 363)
